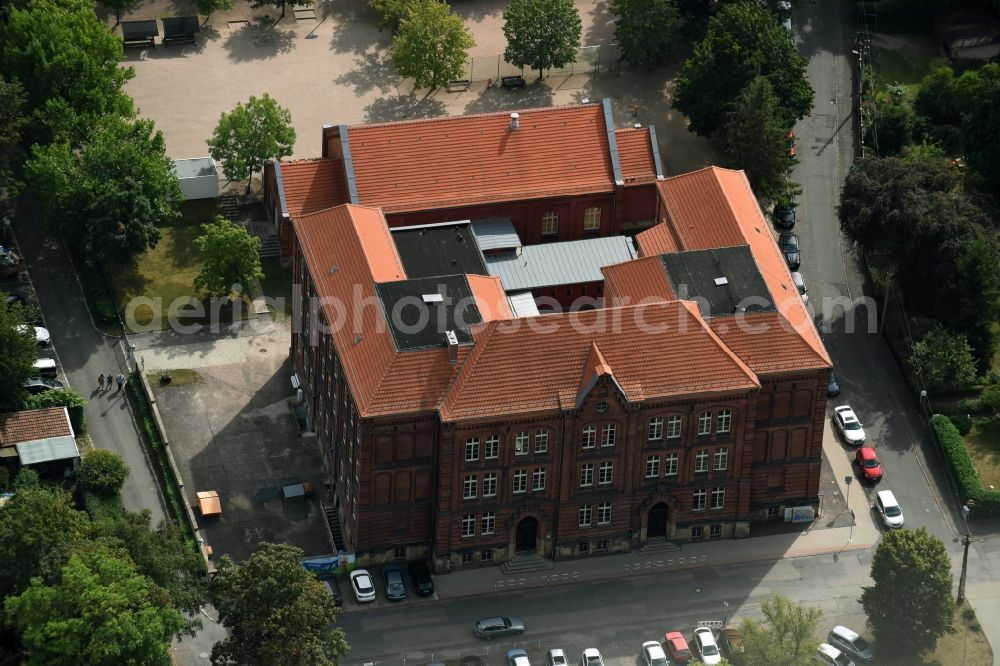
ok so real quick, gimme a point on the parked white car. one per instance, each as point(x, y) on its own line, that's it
point(704, 642)
point(849, 425)
point(831, 656)
point(888, 508)
point(591, 657)
point(653, 654)
point(555, 657)
point(361, 583)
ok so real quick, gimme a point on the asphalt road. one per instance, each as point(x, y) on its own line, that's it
point(86, 353)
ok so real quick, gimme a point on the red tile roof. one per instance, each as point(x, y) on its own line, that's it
point(637, 281)
point(34, 424)
point(700, 210)
point(464, 160)
point(635, 155)
point(491, 299)
point(658, 239)
point(312, 185)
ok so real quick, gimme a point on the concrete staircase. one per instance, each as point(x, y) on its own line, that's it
point(333, 525)
point(264, 230)
point(229, 207)
point(525, 564)
point(658, 546)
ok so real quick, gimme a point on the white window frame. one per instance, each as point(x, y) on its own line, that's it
point(604, 513)
point(588, 438)
point(609, 433)
point(655, 431)
point(538, 479)
point(671, 463)
point(521, 443)
point(719, 497)
point(652, 467)
point(468, 525)
point(715, 531)
point(606, 473)
point(587, 475)
point(674, 424)
point(586, 516)
point(490, 484)
point(698, 499)
point(519, 482)
point(541, 441)
point(492, 449)
point(472, 449)
point(724, 420)
point(488, 523)
point(592, 218)
point(550, 223)
point(701, 460)
point(470, 487)
point(721, 459)
point(705, 423)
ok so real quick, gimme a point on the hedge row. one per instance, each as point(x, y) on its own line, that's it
point(987, 502)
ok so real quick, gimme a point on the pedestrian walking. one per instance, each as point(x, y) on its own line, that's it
point(100, 382)
point(121, 381)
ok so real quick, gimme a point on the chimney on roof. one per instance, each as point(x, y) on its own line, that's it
point(452, 340)
point(514, 123)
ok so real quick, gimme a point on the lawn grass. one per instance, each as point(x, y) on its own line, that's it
point(177, 378)
point(967, 646)
point(277, 284)
point(983, 443)
point(904, 59)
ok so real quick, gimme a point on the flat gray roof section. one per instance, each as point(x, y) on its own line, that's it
point(429, 250)
point(553, 264)
point(195, 167)
point(721, 281)
point(522, 303)
point(46, 450)
point(496, 234)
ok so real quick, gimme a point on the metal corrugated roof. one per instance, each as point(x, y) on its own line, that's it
point(523, 304)
point(496, 234)
point(554, 264)
point(45, 450)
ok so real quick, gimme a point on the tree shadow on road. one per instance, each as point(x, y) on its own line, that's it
point(260, 40)
point(534, 95)
point(354, 28)
point(403, 107)
point(370, 72)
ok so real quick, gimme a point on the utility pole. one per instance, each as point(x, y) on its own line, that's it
point(849, 480)
point(965, 553)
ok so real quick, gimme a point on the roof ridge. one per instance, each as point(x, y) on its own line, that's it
point(693, 310)
point(466, 366)
point(497, 114)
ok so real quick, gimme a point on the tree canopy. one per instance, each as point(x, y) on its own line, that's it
point(251, 134)
point(743, 41)
point(786, 635)
point(911, 595)
point(277, 612)
point(390, 12)
point(758, 141)
point(943, 360)
point(257, 4)
point(231, 255)
point(102, 472)
point(645, 30)
point(209, 7)
point(12, 122)
point(431, 44)
point(111, 196)
point(541, 34)
point(18, 351)
point(981, 135)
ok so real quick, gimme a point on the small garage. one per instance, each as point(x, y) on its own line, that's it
point(198, 177)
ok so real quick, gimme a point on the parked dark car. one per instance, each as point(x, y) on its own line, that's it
point(395, 588)
point(494, 627)
point(784, 216)
point(14, 299)
point(420, 576)
point(36, 385)
point(833, 386)
point(334, 589)
point(789, 244)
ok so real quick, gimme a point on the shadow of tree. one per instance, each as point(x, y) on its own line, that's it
point(403, 107)
point(477, 11)
point(534, 95)
point(370, 71)
point(354, 28)
point(259, 41)
point(602, 28)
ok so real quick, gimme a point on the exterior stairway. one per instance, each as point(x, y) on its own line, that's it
point(264, 230)
point(658, 546)
point(333, 526)
point(524, 564)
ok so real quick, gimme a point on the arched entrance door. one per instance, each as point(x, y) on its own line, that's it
point(526, 540)
point(656, 528)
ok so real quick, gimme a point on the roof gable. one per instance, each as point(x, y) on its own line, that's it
point(33, 425)
point(312, 185)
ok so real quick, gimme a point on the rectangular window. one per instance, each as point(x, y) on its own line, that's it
point(715, 531)
point(604, 513)
point(721, 459)
point(656, 429)
point(521, 444)
point(608, 435)
point(602, 546)
point(589, 437)
point(697, 533)
point(773, 512)
point(670, 464)
point(490, 484)
point(399, 553)
point(486, 556)
point(586, 513)
point(592, 219)
point(492, 447)
point(606, 473)
point(673, 427)
point(488, 523)
point(520, 481)
point(587, 475)
point(705, 423)
point(472, 449)
point(550, 223)
point(652, 467)
point(467, 558)
point(718, 497)
point(469, 491)
point(701, 461)
point(469, 525)
point(538, 479)
point(541, 441)
point(583, 547)
point(699, 499)
point(724, 420)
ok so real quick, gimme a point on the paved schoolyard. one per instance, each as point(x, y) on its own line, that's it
point(333, 70)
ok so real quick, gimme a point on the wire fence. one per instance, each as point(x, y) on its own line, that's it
point(600, 59)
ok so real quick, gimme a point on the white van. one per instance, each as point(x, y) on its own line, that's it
point(800, 284)
point(46, 367)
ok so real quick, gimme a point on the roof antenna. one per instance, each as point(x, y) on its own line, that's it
point(514, 123)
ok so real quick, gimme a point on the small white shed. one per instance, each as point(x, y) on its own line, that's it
point(199, 178)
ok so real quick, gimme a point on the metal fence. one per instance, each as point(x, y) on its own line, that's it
point(592, 60)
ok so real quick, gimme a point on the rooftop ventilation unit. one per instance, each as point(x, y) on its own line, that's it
point(514, 122)
point(432, 298)
point(452, 339)
point(720, 281)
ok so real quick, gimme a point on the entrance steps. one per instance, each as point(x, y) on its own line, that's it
point(658, 546)
point(523, 564)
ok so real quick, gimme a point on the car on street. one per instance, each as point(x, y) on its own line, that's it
point(653, 654)
point(832, 386)
point(45, 367)
point(677, 647)
point(555, 657)
point(731, 642)
point(868, 463)
point(36, 385)
point(14, 299)
point(471, 660)
point(494, 627)
point(785, 14)
point(708, 649)
point(395, 588)
point(800, 286)
point(888, 508)
point(849, 425)
point(333, 589)
point(518, 657)
point(784, 216)
point(42, 336)
point(831, 656)
point(363, 586)
point(591, 657)
point(789, 244)
point(852, 644)
point(420, 576)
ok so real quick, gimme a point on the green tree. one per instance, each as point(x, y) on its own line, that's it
point(785, 637)
point(111, 196)
point(943, 360)
point(968, 290)
point(257, 4)
point(743, 41)
point(12, 123)
point(646, 31)
point(431, 45)
point(209, 7)
point(102, 472)
point(18, 352)
point(541, 34)
point(390, 12)
point(231, 257)
point(981, 136)
point(251, 134)
point(893, 127)
point(68, 63)
point(100, 611)
point(64, 397)
point(911, 595)
point(277, 612)
point(758, 141)
point(119, 6)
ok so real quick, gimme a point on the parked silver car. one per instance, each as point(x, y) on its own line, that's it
point(492, 627)
point(851, 644)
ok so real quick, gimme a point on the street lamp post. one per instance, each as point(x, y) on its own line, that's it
point(965, 552)
point(725, 615)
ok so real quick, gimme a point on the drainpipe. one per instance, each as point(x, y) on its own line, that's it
point(559, 480)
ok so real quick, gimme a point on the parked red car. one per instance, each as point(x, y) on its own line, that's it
point(676, 647)
point(871, 468)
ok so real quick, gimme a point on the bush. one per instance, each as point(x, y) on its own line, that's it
point(963, 471)
point(67, 398)
point(101, 507)
point(943, 361)
point(962, 422)
point(98, 293)
point(990, 400)
point(101, 472)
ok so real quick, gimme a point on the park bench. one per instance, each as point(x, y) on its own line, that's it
point(459, 85)
point(512, 81)
point(139, 33)
point(180, 29)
